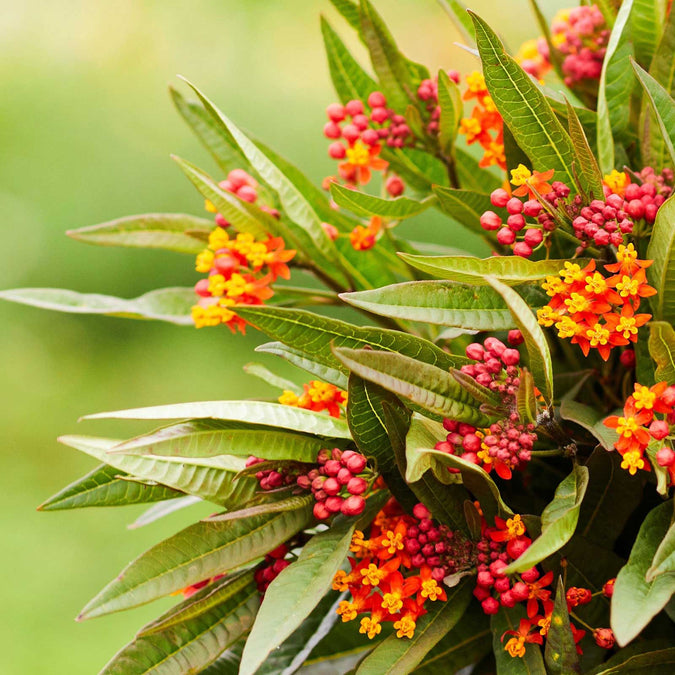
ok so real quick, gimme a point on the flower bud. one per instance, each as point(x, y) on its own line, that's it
point(335, 112)
point(499, 198)
point(356, 486)
point(490, 605)
point(355, 463)
point(320, 511)
point(604, 637)
point(353, 506)
point(659, 429)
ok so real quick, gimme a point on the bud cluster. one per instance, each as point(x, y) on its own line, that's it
point(270, 568)
point(644, 197)
point(603, 222)
point(427, 92)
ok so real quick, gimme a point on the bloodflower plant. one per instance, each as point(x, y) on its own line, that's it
point(479, 471)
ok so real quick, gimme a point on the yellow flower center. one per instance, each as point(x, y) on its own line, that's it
point(644, 398)
point(516, 647)
point(405, 627)
point(372, 575)
point(370, 627)
point(626, 253)
point(515, 526)
point(218, 238)
point(204, 261)
point(633, 461)
point(393, 542)
point(596, 283)
point(431, 590)
point(358, 154)
point(577, 303)
point(547, 316)
point(475, 81)
point(598, 335)
point(616, 181)
point(392, 602)
point(627, 286)
point(554, 286)
point(626, 426)
point(347, 610)
point(520, 175)
point(627, 327)
point(571, 273)
point(567, 327)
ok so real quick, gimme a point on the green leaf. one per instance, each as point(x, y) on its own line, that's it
point(103, 487)
point(654, 662)
point(531, 663)
point(526, 398)
point(210, 478)
point(178, 232)
point(349, 78)
point(524, 108)
point(396, 656)
point(662, 106)
point(202, 629)
point(535, 340)
point(420, 169)
point(558, 521)
point(615, 89)
point(587, 164)
point(315, 335)
point(266, 375)
point(198, 552)
point(446, 303)
point(664, 558)
point(452, 110)
point(646, 28)
point(661, 273)
point(349, 11)
point(389, 64)
point(431, 388)
point(165, 304)
point(561, 651)
point(591, 420)
point(366, 205)
point(214, 438)
point(162, 509)
point(510, 270)
point(251, 412)
point(635, 600)
point(303, 220)
point(472, 176)
point(300, 587)
point(662, 350)
point(368, 425)
point(456, 10)
point(465, 206)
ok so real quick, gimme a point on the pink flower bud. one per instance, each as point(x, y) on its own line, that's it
point(533, 237)
point(334, 503)
point(490, 605)
point(202, 288)
point(510, 357)
point(354, 107)
point(330, 230)
point(247, 193)
point(377, 100)
point(394, 186)
point(331, 486)
point(332, 130)
point(353, 506)
point(335, 112)
point(337, 150)
point(490, 221)
point(356, 486)
point(665, 457)
point(515, 337)
point(514, 205)
point(351, 133)
point(356, 463)
point(499, 198)
point(522, 249)
point(421, 512)
point(505, 236)
point(344, 475)
point(659, 429)
point(320, 511)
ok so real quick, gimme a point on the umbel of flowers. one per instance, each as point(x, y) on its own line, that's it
point(475, 470)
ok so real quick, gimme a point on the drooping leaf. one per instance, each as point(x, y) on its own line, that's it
point(664, 558)
point(659, 660)
point(561, 651)
point(591, 420)
point(199, 631)
point(178, 232)
point(587, 164)
point(452, 110)
point(535, 339)
point(661, 250)
point(432, 389)
point(472, 176)
point(523, 107)
point(662, 350)
point(103, 487)
point(248, 412)
point(196, 553)
point(635, 600)
point(465, 206)
point(165, 304)
point(274, 504)
point(531, 663)
point(558, 521)
point(646, 28)
point(300, 586)
point(396, 656)
point(366, 205)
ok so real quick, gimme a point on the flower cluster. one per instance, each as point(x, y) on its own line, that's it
point(639, 428)
point(317, 396)
point(603, 222)
point(507, 444)
point(596, 311)
point(485, 125)
point(240, 269)
point(580, 34)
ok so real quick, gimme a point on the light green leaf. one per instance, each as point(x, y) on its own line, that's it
point(432, 389)
point(418, 168)
point(646, 28)
point(198, 632)
point(251, 412)
point(662, 350)
point(456, 10)
point(655, 661)
point(349, 11)
point(531, 663)
point(198, 552)
point(466, 207)
point(591, 420)
point(587, 164)
point(472, 176)
point(635, 600)
point(558, 521)
point(273, 504)
point(300, 587)
point(661, 273)
point(535, 340)
point(103, 487)
point(452, 110)
point(366, 205)
point(165, 304)
point(162, 509)
point(178, 232)
point(524, 108)
point(561, 651)
point(266, 375)
point(396, 656)
point(664, 558)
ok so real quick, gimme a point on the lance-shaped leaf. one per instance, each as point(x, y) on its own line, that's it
point(162, 509)
point(524, 108)
point(395, 656)
point(316, 335)
point(363, 204)
point(664, 558)
point(178, 232)
point(661, 250)
point(663, 107)
point(368, 424)
point(251, 412)
point(466, 206)
point(526, 398)
point(165, 304)
point(447, 303)
point(472, 176)
point(452, 110)
point(301, 585)
point(647, 25)
point(587, 165)
point(193, 634)
point(302, 219)
point(561, 651)
point(418, 168)
point(434, 390)
point(214, 438)
point(209, 478)
point(615, 89)
point(349, 78)
point(531, 663)
point(591, 420)
point(510, 270)
point(104, 487)
point(198, 552)
point(635, 600)
point(558, 521)
point(654, 658)
point(266, 375)
point(662, 350)
point(456, 10)
point(535, 340)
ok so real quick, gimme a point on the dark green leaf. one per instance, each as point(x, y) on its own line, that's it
point(561, 651)
point(591, 420)
point(472, 176)
point(654, 662)
point(664, 558)
point(661, 250)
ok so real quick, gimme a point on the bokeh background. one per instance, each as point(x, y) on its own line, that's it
point(85, 135)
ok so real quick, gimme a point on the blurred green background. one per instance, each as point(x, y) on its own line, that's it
point(87, 128)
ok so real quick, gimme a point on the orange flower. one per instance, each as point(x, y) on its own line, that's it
point(361, 159)
point(527, 633)
point(530, 183)
point(363, 237)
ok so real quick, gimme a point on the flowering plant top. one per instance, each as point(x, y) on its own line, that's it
point(479, 475)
